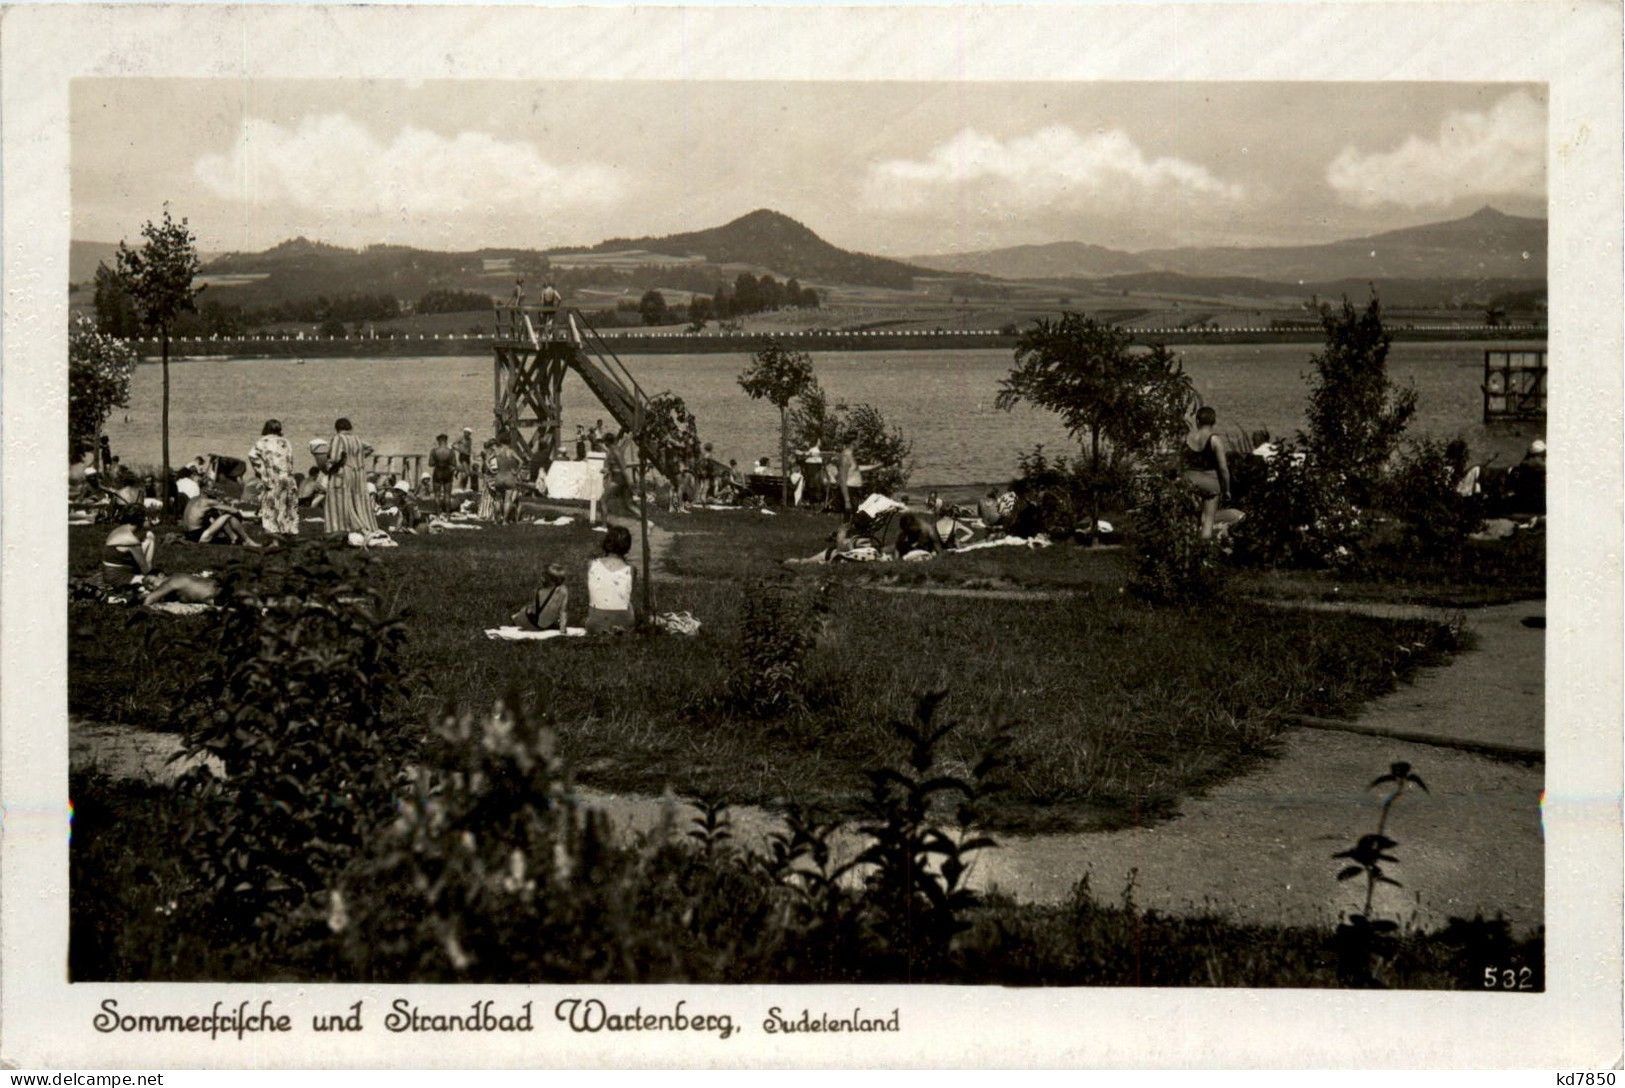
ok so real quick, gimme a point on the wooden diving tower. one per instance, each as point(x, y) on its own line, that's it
point(534, 346)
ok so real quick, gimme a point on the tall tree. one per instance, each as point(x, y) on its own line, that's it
point(747, 297)
point(778, 376)
point(1356, 414)
point(1088, 373)
point(99, 369)
point(159, 279)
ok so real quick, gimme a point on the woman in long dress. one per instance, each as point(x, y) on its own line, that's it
point(349, 508)
point(272, 459)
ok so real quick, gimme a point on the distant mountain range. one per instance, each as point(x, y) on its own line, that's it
point(774, 241)
point(1483, 247)
point(1488, 244)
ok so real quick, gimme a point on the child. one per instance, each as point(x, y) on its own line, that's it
point(551, 603)
point(609, 584)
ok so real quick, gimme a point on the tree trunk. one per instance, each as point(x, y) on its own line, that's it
point(1094, 488)
point(784, 452)
point(163, 335)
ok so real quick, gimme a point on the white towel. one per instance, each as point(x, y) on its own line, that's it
point(562, 519)
point(878, 504)
point(1039, 541)
point(181, 608)
point(525, 634)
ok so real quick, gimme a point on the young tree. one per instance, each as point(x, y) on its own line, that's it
point(1087, 372)
point(652, 307)
point(778, 376)
point(99, 369)
point(1356, 415)
point(158, 278)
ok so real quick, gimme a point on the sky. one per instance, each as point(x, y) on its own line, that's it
point(897, 169)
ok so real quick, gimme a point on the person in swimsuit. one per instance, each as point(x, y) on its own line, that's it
point(205, 522)
point(918, 533)
point(182, 588)
point(610, 580)
point(552, 602)
point(128, 550)
point(442, 470)
point(1202, 458)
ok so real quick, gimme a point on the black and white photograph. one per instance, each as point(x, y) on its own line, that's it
point(840, 535)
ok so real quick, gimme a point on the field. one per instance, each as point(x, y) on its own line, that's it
point(1118, 709)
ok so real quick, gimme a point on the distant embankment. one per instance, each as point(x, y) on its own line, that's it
point(675, 343)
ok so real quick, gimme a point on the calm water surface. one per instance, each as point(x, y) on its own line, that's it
point(943, 400)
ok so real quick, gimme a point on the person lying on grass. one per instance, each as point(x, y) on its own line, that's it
point(205, 521)
point(853, 541)
point(609, 584)
point(182, 588)
point(551, 603)
point(129, 549)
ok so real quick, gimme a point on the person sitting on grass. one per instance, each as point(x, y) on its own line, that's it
point(205, 521)
point(180, 588)
point(552, 602)
point(918, 533)
point(129, 549)
point(610, 580)
point(852, 541)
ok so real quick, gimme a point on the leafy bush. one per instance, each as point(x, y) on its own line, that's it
point(492, 872)
point(1300, 516)
point(780, 625)
point(1356, 415)
point(814, 421)
point(1172, 563)
point(1434, 520)
point(294, 701)
point(1064, 488)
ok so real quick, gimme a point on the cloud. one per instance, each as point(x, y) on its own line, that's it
point(1053, 168)
point(411, 185)
point(1500, 152)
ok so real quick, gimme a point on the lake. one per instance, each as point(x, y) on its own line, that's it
point(942, 400)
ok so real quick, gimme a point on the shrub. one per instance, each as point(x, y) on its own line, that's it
point(779, 628)
point(1063, 488)
point(1434, 520)
point(1172, 563)
point(492, 872)
point(294, 700)
point(1300, 516)
point(814, 421)
point(1356, 415)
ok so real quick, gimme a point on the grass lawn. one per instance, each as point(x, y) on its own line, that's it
point(1117, 709)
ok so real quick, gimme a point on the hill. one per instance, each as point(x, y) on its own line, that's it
point(1488, 244)
point(1038, 262)
point(774, 241)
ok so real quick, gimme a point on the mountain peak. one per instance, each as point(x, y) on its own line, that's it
point(1487, 213)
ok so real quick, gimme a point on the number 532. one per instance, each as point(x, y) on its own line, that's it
point(1509, 978)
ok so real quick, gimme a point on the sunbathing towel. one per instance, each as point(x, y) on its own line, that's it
point(1039, 541)
point(510, 633)
point(562, 519)
point(918, 555)
point(442, 523)
point(769, 513)
point(375, 539)
point(878, 504)
point(181, 608)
